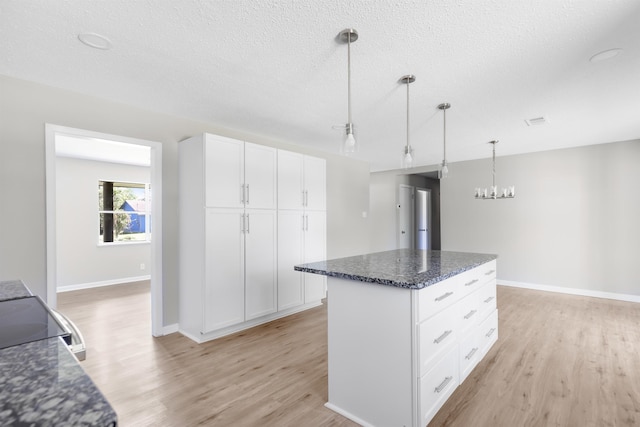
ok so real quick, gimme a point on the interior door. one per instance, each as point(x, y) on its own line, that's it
point(405, 217)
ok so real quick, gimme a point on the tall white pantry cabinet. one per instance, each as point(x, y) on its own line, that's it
point(230, 238)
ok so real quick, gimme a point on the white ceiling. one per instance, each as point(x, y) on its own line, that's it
point(274, 68)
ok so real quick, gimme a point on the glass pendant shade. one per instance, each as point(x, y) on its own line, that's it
point(407, 158)
point(349, 145)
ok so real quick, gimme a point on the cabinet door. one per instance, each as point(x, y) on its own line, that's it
point(290, 247)
point(290, 180)
point(223, 303)
point(315, 186)
point(315, 243)
point(260, 176)
point(260, 262)
point(224, 172)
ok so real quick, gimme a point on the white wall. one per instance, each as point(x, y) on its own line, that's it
point(25, 107)
point(80, 260)
point(573, 224)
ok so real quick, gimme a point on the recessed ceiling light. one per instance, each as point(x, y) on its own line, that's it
point(605, 54)
point(95, 40)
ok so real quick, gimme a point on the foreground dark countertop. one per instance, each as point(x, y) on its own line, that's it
point(403, 268)
point(42, 384)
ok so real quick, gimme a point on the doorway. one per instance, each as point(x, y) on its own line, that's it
point(418, 212)
point(54, 133)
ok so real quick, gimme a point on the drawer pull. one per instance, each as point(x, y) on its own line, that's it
point(471, 282)
point(488, 300)
point(471, 353)
point(443, 384)
point(489, 273)
point(471, 313)
point(490, 332)
point(441, 297)
point(442, 337)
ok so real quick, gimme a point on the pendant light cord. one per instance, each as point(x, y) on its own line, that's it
point(349, 75)
point(408, 145)
point(444, 138)
point(494, 164)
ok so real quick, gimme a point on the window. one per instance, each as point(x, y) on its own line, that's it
point(124, 210)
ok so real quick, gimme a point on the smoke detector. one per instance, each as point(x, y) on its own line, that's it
point(537, 121)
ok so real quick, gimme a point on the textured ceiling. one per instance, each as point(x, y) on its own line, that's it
point(274, 68)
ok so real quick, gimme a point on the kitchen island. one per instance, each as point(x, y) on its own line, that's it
point(405, 328)
point(42, 382)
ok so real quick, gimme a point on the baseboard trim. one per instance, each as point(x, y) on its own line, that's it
point(90, 285)
point(347, 414)
point(201, 338)
point(170, 329)
point(571, 291)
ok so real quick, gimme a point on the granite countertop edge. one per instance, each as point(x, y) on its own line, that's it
point(345, 268)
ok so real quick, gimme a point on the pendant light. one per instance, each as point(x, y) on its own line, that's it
point(444, 170)
point(492, 194)
point(349, 145)
point(407, 154)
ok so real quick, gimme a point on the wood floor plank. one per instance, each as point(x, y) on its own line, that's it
point(560, 360)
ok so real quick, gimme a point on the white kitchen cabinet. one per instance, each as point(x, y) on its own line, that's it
point(239, 174)
point(315, 243)
point(223, 303)
point(229, 247)
point(260, 262)
point(301, 227)
point(301, 182)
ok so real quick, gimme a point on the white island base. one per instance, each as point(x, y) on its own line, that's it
point(395, 355)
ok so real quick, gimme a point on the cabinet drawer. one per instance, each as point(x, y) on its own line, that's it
point(468, 312)
point(469, 353)
point(435, 298)
point(487, 271)
point(436, 336)
point(488, 332)
point(437, 385)
point(487, 298)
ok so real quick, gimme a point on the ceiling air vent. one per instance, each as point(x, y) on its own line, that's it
point(536, 121)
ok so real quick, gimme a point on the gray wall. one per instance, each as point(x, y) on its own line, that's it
point(80, 260)
point(574, 222)
point(25, 107)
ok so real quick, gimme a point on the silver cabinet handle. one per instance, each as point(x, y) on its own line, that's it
point(471, 353)
point(247, 188)
point(303, 222)
point(490, 332)
point(441, 297)
point(306, 197)
point(242, 194)
point(443, 384)
point(488, 300)
point(471, 282)
point(242, 225)
point(470, 314)
point(490, 272)
point(248, 225)
point(442, 337)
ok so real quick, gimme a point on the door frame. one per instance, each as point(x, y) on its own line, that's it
point(51, 131)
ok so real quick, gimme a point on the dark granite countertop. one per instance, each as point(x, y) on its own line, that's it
point(13, 289)
point(42, 383)
point(403, 268)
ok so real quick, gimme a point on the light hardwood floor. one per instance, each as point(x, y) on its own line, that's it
point(560, 360)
